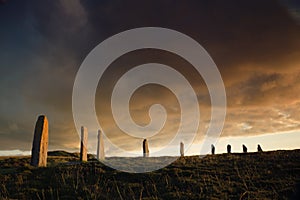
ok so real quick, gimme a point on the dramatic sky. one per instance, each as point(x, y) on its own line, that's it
point(254, 43)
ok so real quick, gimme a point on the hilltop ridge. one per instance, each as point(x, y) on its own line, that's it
point(266, 175)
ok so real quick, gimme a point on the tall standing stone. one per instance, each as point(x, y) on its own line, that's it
point(40, 143)
point(83, 144)
point(213, 149)
point(181, 149)
point(244, 149)
point(145, 148)
point(100, 146)
point(228, 148)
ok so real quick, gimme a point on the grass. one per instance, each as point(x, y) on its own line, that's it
point(267, 175)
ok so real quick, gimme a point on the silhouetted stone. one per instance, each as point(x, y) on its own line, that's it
point(244, 149)
point(145, 148)
point(213, 149)
point(83, 144)
point(40, 143)
point(228, 148)
point(100, 146)
point(259, 149)
point(181, 149)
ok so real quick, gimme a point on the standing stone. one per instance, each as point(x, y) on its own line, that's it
point(100, 146)
point(83, 144)
point(181, 149)
point(145, 148)
point(40, 143)
point(228, 148)
point(213, 149)
point(244, 149)
point(259, 149)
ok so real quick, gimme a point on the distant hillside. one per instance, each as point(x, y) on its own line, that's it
point(267, 175)
point(62, 153)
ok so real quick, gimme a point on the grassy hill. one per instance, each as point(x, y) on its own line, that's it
point(267, 175)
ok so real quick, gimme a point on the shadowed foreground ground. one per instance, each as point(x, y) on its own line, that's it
point(268, 175)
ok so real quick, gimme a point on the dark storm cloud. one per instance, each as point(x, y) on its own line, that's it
point(294, 8)
point(64, 25)
point(255, 45)
point(234, 32)
point(241, 36)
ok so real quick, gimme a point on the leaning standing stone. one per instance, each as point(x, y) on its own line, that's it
point(244, 149)
point(40, 143)
point(83, 144)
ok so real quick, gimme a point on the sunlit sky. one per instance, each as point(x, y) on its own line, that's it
point(255, 45)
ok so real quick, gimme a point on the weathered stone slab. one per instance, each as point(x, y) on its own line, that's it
point(213, 149)
point(100, 146)
point(40, 143)
point(181, 149)
point(245, 149)
point(83, 144)
point(228, 148)
point(259, 149)
point(145, 148)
